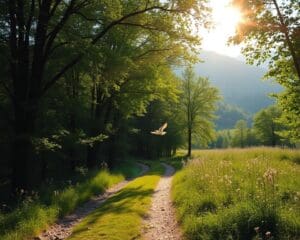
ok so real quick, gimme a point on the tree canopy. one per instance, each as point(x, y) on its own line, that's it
point(73, 71)
point(198, 104)
point(270, 32)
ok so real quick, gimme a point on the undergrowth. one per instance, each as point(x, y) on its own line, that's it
point(35, 213)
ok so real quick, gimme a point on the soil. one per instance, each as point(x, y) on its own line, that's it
point(160, 223)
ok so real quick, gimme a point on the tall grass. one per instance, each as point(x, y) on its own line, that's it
point(36, 213)
point(240, 194)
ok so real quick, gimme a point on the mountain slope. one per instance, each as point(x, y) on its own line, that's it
point(239, 83)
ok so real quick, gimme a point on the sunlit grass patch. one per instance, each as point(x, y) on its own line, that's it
point(239, 194)
point(120, 216)
point(34, 215)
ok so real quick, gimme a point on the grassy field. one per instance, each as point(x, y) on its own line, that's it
point(35, 213)
point(120, 217)
point(240, 194)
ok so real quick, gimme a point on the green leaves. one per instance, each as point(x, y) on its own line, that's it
point(198, 103)
point(93, 140)
point(269, 33)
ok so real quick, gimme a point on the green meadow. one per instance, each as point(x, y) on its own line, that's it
point(239, 194)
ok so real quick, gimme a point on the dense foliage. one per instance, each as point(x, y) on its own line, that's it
point(198, 103)
point(265, 128)
point(270, 33)
point(75, 73)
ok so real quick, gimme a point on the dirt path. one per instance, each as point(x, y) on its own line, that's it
point(63, 228)
point(161, 221)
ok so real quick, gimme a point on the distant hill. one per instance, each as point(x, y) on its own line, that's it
point(228, 115)
point(239, 83)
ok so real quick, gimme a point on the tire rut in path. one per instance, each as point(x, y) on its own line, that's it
point(63, 228)
point(160, 223)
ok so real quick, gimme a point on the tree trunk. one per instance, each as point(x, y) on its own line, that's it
point(285, 31)
point(189, 141)
point(23, 161)
point(91, 160)
point(273, 141)
point(101, 109)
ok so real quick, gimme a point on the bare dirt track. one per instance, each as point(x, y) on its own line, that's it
point(160, 222)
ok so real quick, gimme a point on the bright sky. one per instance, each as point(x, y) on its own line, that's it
point(226, 18)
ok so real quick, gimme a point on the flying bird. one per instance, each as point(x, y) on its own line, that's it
point(160, 131)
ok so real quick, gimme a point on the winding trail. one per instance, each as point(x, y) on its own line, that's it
point(63, 228)
point(161, 220)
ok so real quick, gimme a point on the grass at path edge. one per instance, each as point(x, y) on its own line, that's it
point(35, 215)
point(120, 217)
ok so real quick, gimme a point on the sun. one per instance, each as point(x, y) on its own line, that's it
point(226, 19)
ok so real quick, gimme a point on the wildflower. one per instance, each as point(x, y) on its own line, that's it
point(268, 234)
point(103, 165)
point(269, 175)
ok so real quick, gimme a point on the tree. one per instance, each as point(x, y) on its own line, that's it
point(31, 34)
point(270, 33)
point(222, 139)
point(240, 134)
point(266, 126)
point(198, 103)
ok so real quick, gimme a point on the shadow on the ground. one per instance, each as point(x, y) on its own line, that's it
point(176, 161)
point(121, 203)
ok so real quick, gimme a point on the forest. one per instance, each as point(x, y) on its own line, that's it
point(85, 83)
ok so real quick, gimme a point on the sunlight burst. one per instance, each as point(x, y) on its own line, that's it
point(226, 19)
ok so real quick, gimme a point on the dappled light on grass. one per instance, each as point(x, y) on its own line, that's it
point(121, 215)
point(35, 215)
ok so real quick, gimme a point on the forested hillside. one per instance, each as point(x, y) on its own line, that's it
point(240, 84)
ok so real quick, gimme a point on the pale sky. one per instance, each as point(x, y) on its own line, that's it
point(226, 18)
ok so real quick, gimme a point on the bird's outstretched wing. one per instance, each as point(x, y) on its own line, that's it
point(163, 127)
point(160, 131)
point(155, 132)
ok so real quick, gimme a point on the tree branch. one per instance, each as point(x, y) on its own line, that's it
point(52, 35)
point(53, 9)
point(120, 20)
point(99, 36)
point(148, 27)
point(97, 20)
point(60, 73)
point(56, 47)
point(29, 21)
point(152, 50)
point(288, 40)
